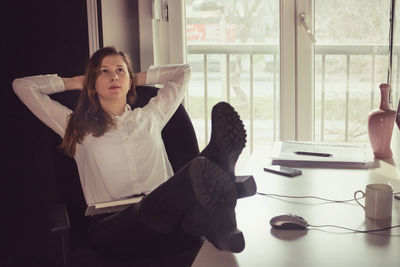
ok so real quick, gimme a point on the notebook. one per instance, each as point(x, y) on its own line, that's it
point(322, 154)
point(112, 206)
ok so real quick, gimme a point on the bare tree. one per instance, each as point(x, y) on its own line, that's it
point(242, 13)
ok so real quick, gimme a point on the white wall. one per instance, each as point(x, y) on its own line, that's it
point(145, 34)
point(120, 26)
point(162, 42)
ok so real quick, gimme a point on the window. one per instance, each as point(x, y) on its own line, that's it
point(257, 55)
point(351, 60)
point(233, 49)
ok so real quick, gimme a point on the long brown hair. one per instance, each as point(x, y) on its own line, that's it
point(89, 117)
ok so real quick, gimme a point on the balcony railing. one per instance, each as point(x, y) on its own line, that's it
point(321, 51)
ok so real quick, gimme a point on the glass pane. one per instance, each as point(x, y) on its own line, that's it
point(351, 60)
point(234, 54)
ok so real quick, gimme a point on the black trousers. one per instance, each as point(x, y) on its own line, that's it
point(200, 198)
point(122, 236)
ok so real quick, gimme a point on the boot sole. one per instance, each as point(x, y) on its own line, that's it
point(212, 187)
point(230, 139)
point(215, 192)
point(228, 134)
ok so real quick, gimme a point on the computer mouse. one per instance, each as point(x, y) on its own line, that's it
point(288, 222)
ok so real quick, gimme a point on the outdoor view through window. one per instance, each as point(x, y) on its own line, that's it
point(233, 48)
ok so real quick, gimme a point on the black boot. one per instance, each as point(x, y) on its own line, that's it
point(202, 198)
point(228, 139)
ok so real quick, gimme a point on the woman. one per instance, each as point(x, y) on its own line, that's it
point(119, 153)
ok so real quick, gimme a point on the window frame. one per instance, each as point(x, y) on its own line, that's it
point(296, 105)
point(304, 72)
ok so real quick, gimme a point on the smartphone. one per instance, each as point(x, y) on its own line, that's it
point(283, 170)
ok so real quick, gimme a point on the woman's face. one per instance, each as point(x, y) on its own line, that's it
point(113, 82)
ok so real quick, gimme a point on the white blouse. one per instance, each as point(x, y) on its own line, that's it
point(128, 159)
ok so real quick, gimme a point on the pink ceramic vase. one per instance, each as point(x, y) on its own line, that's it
point(380, 125)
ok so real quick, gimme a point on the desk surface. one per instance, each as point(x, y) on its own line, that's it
point(315, 246)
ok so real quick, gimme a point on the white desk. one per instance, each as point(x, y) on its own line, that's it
point(319, 247)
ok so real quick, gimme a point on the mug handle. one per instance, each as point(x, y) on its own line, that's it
point(355, 197)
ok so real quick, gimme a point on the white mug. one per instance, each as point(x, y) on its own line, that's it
point(378, 201)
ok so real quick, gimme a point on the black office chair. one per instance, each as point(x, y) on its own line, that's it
point(68, 226)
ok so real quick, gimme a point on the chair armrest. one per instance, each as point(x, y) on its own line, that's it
point(58, 244)
point(58, 218)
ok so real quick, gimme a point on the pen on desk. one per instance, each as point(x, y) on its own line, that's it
point(317, 154)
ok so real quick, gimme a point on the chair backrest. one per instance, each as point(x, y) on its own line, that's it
point(178, 134)
point(180, 143)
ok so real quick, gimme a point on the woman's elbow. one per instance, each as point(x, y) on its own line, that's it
point(17, 85)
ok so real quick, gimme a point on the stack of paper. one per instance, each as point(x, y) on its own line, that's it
point(112, 206)
point(322, 154)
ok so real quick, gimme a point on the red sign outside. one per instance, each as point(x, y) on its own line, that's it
point(210, 32)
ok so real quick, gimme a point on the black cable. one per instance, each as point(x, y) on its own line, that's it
point(315, 197)
point(335, 201)
point(391, 27)
point(319, 198)
point(353, 230)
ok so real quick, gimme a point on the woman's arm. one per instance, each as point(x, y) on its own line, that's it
point(140, 78)
point(33, 92)
point(74, 83)
point(175, 80)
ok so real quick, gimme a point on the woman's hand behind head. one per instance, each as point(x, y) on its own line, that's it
point(74, 83)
